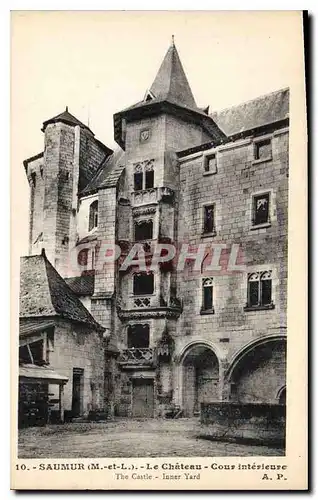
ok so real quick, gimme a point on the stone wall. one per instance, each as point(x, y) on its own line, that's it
point(238, 177)
point(77, 346)
point(35, 175)
point(261, 424)
point(92, 154)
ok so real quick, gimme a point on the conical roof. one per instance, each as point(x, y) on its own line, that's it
point(171, 82)
point(169, 93)
point(65, 117)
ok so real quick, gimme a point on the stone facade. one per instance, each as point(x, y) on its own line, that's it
point(198, 334)
point(77, 348)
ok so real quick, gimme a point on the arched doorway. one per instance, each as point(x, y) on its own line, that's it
point(200, 379)
point(259, 371)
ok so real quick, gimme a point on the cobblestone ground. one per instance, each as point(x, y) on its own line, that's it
point(129, 438)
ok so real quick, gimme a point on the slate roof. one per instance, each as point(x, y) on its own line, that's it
point(170, 92)
point(81, 285)
point(263, 110)
point(108, 173)
point(65, 117)
point(43, 292)
point(170, 84)
point(171, 81)
point(256, 113)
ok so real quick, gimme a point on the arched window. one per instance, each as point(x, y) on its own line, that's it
point(259, 289)
point(93, 215)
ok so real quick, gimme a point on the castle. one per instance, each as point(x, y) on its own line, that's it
point(214, 186)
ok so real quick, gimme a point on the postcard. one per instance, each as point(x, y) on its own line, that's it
point(159, 208)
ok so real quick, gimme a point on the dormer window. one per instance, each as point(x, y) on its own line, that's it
point(93, 215)
point(149, 96)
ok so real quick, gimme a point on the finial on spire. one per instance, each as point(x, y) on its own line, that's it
point(172, 40)
point(66, 109)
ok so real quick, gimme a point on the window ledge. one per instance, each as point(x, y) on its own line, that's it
point(260, 226)
point(262, 160)
point(259, 308)
point(209, 173)
point(142, 295)
point(207, 311)
point(208, 235)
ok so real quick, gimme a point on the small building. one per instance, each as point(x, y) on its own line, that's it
point(61, 352)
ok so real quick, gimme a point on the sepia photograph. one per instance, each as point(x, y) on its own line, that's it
point(152, 169)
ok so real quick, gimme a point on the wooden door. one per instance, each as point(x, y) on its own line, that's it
point(143, 398)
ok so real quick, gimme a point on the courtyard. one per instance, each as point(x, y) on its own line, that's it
point(129, 438)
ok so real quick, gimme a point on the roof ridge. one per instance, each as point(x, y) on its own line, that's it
point(49, 268)
point(250, 100)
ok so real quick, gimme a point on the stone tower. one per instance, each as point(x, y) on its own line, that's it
point(71, 157)
point(141, 308)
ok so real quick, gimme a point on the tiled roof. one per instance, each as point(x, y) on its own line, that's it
point(65, 117)
point(108, 173)
point(81, 285)
point(43, 292)
point(264, 110)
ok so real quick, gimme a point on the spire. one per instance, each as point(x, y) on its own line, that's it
point(171, 82)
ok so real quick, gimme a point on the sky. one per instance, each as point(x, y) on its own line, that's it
point(98, 63)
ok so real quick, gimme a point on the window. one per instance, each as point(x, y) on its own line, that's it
point(207, 292)
point(32, 353)
point(209, 222)
point(82, 257)
point(261, 209)
point(94, 257)
point(143, 175)
point(138, 181)
point(149, 179)
point(138, 336)
point(259, 293)
point(143, 284)
point(263, 150)
point(143, 230)
point(210, 164)
point(93, 215)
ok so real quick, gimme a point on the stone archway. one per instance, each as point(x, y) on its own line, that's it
point(200, 378)
point(258, 371)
